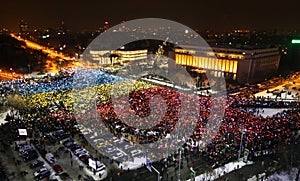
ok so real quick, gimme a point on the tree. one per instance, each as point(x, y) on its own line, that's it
point(16, 101)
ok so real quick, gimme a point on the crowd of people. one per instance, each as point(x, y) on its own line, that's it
point(64, 81)
point(259, 133)
point(54, 106)
point(258, 102)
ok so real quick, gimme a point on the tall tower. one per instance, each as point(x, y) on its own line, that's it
point(24, 28)
point(106, 25)
point(62, 28)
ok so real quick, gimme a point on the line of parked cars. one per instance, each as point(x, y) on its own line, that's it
point(84, 155)
point(119, 150)
point(77, 150)
point(26, 151)
point(44, 172)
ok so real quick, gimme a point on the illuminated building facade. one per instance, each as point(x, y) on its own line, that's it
point(121, 57)
point(244, 66)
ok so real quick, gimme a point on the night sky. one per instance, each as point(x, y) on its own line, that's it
point(198, 14)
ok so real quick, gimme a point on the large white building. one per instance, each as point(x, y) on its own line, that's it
point(244, 66)
point(111, 57)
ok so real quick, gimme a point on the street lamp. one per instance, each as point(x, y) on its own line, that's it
point(193, 173)
point(158, 174)
point(240, 149)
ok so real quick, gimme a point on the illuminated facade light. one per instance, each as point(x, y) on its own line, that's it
point(241, 65)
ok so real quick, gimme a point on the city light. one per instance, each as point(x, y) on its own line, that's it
point(296, 41)
point(82, 97)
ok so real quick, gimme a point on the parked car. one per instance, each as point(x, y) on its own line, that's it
point(80, 151)
point(42, 173)
point(84, 159)
point(74, 147)
point(136, 153)
point(68, 143)
point(36, 163)
point(30, 155)
point(50, 157)
point(60, 134)
point(63, 136)
point(57, 169)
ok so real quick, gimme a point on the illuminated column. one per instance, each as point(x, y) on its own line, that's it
point(207, 63)
point(202, 62)
point(213, 64)
point(176, 58)
point(183, 62)
point(197, 62)
point(235, 66)
point(231, 66)
point(190, 60)
point(223, 65)
point(227, 66)
point(187, 60)
point(194, 61)
point(219, 65)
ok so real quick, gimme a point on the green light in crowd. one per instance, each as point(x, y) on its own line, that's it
point(296, 41)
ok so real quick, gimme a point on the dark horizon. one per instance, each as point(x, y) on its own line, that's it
point(215, 15)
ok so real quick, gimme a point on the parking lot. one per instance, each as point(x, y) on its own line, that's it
point(50, 157)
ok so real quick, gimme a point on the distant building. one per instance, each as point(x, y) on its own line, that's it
point(24, 28)
point(61, 28)
point(243, 66)
point(3, 31)
point(293, 56)
point(106, 25)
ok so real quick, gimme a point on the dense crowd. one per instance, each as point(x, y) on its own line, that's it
point(64, 81)
point(259, 133)
point(53, 110)
point(257, 102)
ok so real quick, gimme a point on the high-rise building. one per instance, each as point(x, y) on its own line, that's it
point(24, 28)
point(61, 28)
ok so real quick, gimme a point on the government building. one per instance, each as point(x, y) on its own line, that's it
point(122, 57)
point(241, 65)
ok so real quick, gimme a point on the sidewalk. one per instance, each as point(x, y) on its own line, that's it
point(283, 159)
